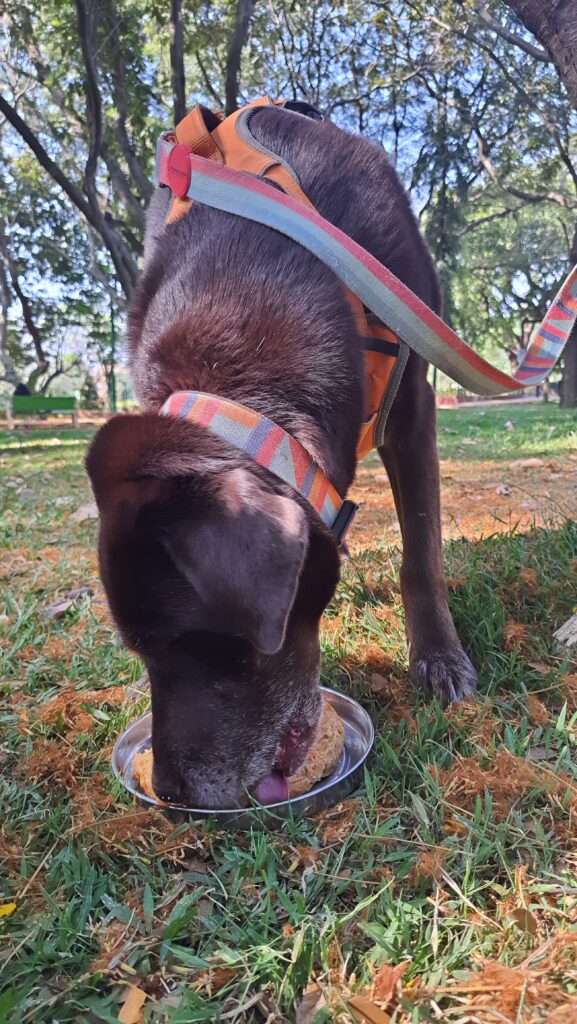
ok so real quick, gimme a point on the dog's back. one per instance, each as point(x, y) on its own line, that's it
point(231, 307)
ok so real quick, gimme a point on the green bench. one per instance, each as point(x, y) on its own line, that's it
point(41, 404)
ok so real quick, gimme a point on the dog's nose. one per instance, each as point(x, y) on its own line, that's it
point(167, 785)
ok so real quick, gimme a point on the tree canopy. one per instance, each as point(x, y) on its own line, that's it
point(474, 100)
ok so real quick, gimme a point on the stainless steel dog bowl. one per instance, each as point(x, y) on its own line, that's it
point(359, 739)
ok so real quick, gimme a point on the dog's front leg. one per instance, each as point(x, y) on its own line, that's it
point(436, 658)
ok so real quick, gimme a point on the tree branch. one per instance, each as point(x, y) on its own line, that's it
point(177, 60)
point(487, 19)
point(554, 24)
point(118, 65)
point(244, 9)
point(41, 155)
point(121, 257)
point(31, 326)
point(205, 77)
point(60, 369)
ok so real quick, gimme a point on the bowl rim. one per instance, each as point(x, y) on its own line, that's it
point(224, 812)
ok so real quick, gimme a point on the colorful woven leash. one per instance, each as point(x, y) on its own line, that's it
point(212, 184)
point(270, 446)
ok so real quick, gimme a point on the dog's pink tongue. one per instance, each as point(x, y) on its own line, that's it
point(272, 789)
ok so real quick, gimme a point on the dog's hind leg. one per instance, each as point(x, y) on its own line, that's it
point(409, 453)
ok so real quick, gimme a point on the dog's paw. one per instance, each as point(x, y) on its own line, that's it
point(447, 675)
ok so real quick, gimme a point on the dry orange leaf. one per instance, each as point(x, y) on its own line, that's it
point(131, 1012)
point(367, 1012)
point(386, 983)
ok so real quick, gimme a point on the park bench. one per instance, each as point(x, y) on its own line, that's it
point(41, 404)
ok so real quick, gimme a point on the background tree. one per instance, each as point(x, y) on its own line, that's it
point(470, 98)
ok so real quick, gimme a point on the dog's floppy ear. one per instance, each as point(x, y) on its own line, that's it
point(244, 558)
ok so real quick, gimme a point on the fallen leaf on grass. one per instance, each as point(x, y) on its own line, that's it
point(131, 1011)
point(57, 610)
point(311, 1004)
point(85, 512)
point(367, 1012)
point(6, 909)
point(378, 682)
point(540, 667)
point(386, 983)
point(429, 867)
point(524, 920)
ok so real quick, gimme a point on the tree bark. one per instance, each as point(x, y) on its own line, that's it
point(177, 60)
point(244, 9)
point(554, 24)
point(569, 385)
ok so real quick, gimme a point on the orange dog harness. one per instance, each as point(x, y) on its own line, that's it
point(230, 142)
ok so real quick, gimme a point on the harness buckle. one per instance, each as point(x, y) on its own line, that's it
point(345, 516)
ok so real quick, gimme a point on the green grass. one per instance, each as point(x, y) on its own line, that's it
point(418, 868)
point(539, 430)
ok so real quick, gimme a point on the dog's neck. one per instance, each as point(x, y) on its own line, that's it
point(271, 447)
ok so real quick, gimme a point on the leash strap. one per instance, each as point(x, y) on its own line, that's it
point(270, 446)
point(381, 291)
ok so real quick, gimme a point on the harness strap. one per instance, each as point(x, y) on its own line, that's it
point(270, 446)
point(379, 289)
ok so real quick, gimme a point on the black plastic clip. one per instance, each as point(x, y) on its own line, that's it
point(345, 516)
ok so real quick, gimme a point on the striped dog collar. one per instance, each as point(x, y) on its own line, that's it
point(270, 446)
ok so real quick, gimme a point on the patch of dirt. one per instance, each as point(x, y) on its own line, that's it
point(472, 506)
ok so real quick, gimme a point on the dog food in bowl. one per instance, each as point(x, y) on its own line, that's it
point(340, 782)
point(322, 758)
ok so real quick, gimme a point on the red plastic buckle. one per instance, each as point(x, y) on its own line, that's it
point(178, 170)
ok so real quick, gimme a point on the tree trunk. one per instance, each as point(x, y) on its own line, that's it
point(177, 60)
point(569, 385)
point(554, 24)
point(244, 9)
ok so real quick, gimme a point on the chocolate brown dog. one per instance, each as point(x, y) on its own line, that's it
point(217, 573)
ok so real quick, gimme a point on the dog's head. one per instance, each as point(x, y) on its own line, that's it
point(218, 583)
